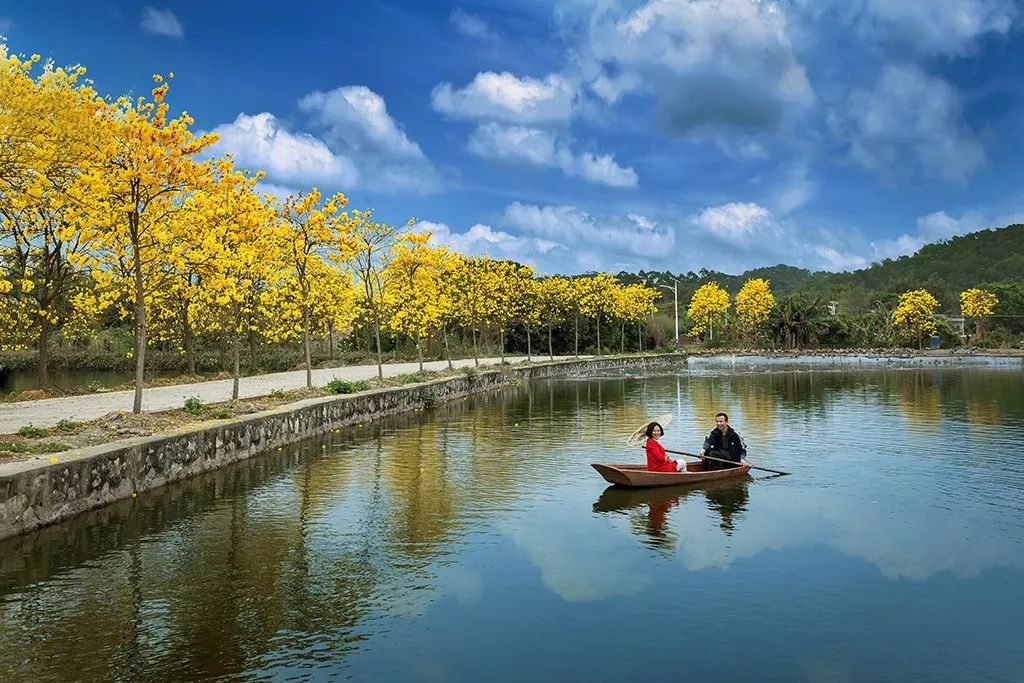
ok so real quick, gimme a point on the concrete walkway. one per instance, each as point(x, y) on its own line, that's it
point(48, 412)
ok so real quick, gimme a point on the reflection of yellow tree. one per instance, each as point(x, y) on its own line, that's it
point(920, 400)
point(415, 471)
point(706, 399)
point(985, 412)
point(758, 405)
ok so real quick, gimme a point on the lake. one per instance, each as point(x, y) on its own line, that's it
point(474, 542)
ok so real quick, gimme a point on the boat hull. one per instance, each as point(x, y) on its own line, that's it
point(637, 476)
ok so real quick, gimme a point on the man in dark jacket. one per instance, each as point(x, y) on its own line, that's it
point(723, 442)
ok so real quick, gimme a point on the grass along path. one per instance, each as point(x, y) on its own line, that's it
point(47, 413)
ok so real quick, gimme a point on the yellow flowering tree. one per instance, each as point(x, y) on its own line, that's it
point(509, 296)
point(149, 162)
point(978, 304)
point(373, 243)
point(636, 303)
point(754, 303)
point(319, 236)
point(471, 281)
point(526, 304)
point(709, 303)
point(597, 299)
point(447, 302)
point(48, 124)
point(554, 300)
point(916, 310)
point(240, 250)
point(412, 304)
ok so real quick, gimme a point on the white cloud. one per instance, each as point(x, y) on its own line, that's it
point(936, 27)
point(543, 148)
point(709, 64)
point(592, 243)
point(734, 220)
point(834, 260)
point(797, 189)
point(514, 143)
point(484, 240)
point(358, 117)
point(909, 116)
point(600, 169)
point(162, 22)
point(642, 222)
point(359, 145)
point(261, 142)
point(939, 226)
point(738, 236)
point(505, 97)
point(355, 123)
point(470, 24)
point(279, 191)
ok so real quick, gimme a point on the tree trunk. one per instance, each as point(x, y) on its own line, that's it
point(529, 347)
point(551, 351)
point(419, 348)
point(622, 333)
point(640, 336)
point(599, 334)
point(330, 338)
point(577, 336)
point(501, 343)
point(305, 347)
point(44, 351)
point(252, 351)
point(189, 341)
point(236, 372)
point(140, 328)
point(447, 351)
point(476, 355)
point(376, 334)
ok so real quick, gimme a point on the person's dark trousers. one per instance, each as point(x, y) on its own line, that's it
point(710, 465)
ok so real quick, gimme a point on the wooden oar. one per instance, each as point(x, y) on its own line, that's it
point(730, 462)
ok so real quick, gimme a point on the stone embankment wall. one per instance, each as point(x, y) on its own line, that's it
point(38, 492)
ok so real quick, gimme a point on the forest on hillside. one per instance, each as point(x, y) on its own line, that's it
point(992, 259)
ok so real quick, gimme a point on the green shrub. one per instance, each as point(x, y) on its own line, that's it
point(67, 426)
point(345, 386)
point(469, 371)
point(277, 393)
point(411, 378)
point(32, 432)
point(194, 406)
point(221, 414)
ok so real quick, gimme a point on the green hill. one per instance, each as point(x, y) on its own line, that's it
point(986, 257)
point(944, 268)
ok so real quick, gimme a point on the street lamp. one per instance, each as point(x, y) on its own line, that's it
point(675, 299)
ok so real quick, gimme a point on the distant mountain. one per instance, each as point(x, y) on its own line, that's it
point(944, 268)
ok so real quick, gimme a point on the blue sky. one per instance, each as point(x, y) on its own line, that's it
point(580, 135)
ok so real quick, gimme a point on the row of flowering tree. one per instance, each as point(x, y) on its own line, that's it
point(750, 313)
point(710, 303)
point(113, 211)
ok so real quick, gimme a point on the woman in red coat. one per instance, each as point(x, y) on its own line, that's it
point(657, 461)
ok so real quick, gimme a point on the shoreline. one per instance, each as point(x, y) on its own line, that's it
point(44, 490)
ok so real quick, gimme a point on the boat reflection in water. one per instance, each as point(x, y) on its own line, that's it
point(648, 509)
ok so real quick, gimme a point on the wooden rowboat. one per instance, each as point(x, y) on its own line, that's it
point(637, 476)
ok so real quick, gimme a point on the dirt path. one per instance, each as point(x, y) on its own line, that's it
point(48, 412)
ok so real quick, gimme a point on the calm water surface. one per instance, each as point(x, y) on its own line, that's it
point(474, 542)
